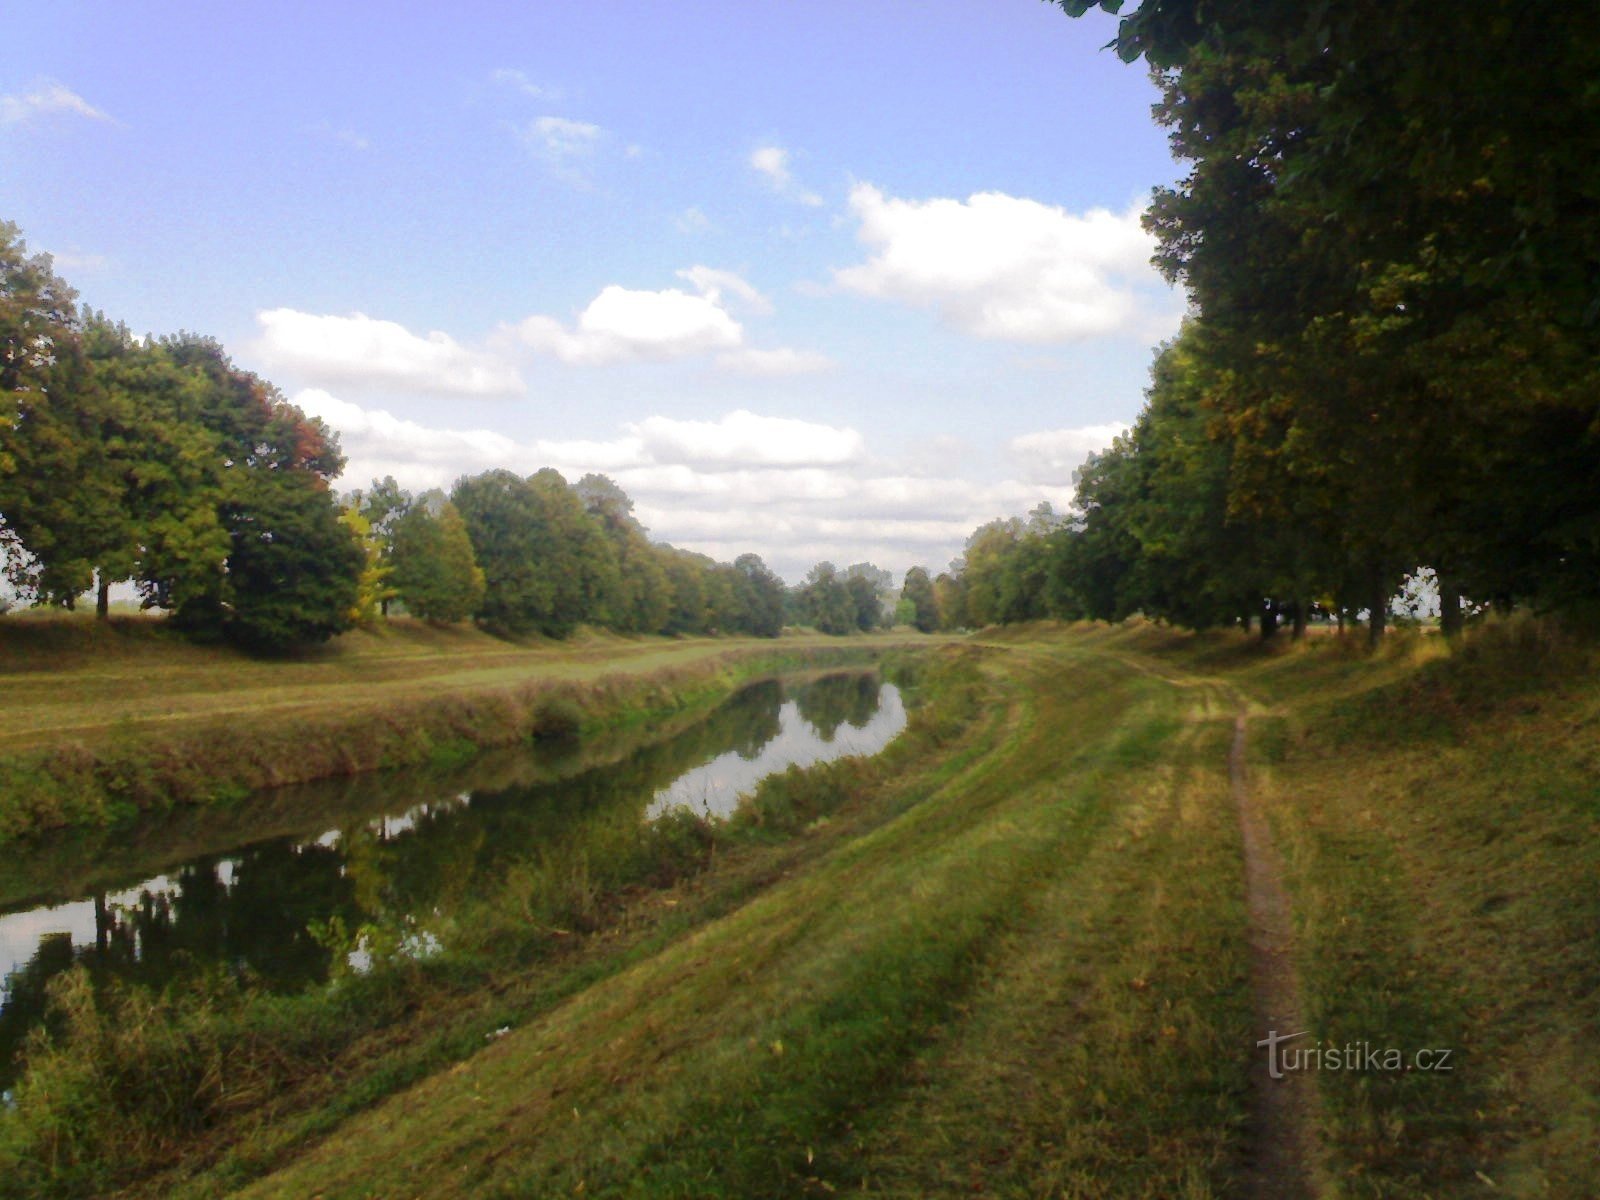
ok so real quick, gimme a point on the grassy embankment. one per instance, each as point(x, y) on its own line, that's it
point(98, 724)
point(1014, 961)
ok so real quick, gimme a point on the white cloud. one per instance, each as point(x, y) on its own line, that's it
point(780, 361)
point(368, 352)
point(791, 490)
point(1054, 454)
point(630, 325)
point(772, 163)
point(624, 325)
point(567, 147)
point(712, 283)
point(1001, 267)
point(563, 138)
point(744, 438)
point(517, 81)
point(46, 97)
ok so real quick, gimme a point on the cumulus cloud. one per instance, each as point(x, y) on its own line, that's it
point(772, 164)
point(624, 325)
point(791, 490)
point(47, 97)
point(1052, 455)
point(1002, 267)
point(631, 325)
point(743, 438)
point(367, 352)
point(713, 283)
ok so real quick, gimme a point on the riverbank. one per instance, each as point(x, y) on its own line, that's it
point(99, 723)
point(1019, 953)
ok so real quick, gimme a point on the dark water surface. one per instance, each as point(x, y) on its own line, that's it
point(241, 889)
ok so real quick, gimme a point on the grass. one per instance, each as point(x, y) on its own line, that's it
point(853, 1027)
point(100, 723)
point(1008, 956)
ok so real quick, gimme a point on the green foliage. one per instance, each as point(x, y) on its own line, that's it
point(294, 572)
point(1392, 256)
point(827, 603)
point(917, 593)
point(436, 575)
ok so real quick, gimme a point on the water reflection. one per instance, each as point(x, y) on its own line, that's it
point(386, 848)
point(808, 732)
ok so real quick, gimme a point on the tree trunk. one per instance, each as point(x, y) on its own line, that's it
point(102, 598)
point(1378, 613)
point(102, 923)
point(1451, 619)
point(1299, 618)
point(1269, 621)
point(1245, 620)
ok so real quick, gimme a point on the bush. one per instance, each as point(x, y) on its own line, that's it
point(558, 717)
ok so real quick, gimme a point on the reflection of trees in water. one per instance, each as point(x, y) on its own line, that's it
point(836, 700)
point(257, 919)
point(25, 1004)
point(256, 923)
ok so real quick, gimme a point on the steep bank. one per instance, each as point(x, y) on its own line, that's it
point(103, 723)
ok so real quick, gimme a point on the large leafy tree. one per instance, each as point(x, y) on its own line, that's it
point(52, 471)
point(917, 591)
point(293, 569)
point(1398, 241)
point(759, 597)
point(827, 602)
point(642, 597)
point(435, 573)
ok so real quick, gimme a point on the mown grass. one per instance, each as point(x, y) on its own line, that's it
point(1012, 960)
point(854, 1027)
point(102, 723)
point(216, 1078)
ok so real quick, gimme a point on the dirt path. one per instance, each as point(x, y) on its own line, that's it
point(1283, 1109)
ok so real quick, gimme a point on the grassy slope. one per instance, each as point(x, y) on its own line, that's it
point(1024, 970)
point(1034, 981)
point(100, 723)
point(66, 680)
point(1031, 978)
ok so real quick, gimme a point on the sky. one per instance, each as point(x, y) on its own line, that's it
point(833, 279)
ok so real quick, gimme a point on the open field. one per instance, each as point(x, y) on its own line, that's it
point(1025, 958)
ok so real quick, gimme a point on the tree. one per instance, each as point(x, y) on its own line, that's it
point(292, 569)
point(760, 597)
point(827, 602)
point(435, 574)
point(643, 597)
point(382, 506)
point(1397, 240)
point(373, 590)
point(57, 492)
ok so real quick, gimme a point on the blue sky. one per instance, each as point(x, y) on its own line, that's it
point(814, 279)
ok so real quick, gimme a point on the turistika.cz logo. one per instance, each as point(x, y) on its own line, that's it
point(1348, 1056)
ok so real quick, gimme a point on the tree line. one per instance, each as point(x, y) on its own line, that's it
point(160, 462)
point(1390, 239)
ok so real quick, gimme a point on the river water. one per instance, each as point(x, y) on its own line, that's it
point(242, 888)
